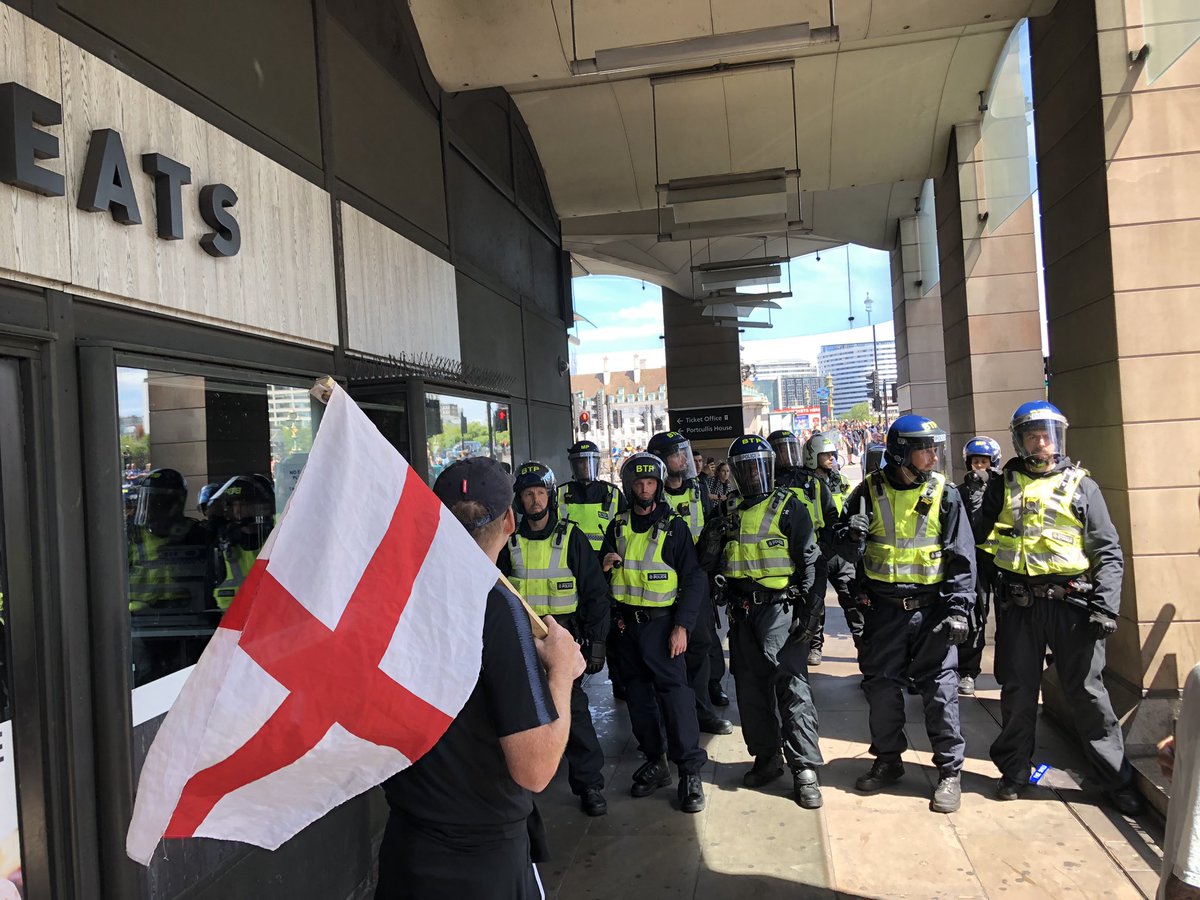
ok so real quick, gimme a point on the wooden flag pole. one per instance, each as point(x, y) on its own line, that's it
point(322, 390)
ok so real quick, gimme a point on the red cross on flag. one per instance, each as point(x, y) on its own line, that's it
point(352, 645)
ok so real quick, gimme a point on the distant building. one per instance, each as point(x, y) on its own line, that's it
point(784, 381)
point(636, 400)
point(850, 364)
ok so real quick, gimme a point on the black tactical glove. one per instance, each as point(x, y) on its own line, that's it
point(1101, 626)
point(956, 626)
point(595, 657)
point(975, 478)
point(860, 524)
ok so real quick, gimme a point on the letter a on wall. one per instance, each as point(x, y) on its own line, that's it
point(106, 182)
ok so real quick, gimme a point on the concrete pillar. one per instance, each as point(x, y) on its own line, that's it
point(1119, 176)
point(704, 365)
point(917, 320)
point(989, 299)
point(176, 422)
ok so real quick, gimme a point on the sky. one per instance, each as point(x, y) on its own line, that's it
point(627, 313)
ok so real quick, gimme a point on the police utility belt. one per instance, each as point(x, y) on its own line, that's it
point(761, 597)
point(908, 604)
point(640, 615)
point(1077, 592)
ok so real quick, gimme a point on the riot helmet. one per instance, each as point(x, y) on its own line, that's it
point(640, 466)
point(206, 495)
point(1039, 435)
point(873, 458)
point(915, 444)
point(245, 506)
point(161, 496)
point(585, 461)
point(753, 464)
point(676, 453)
point(534, 474)
point(981, 445)
point(788, 452)
point(817, 445)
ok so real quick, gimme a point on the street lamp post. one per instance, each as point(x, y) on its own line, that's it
point(867, 304)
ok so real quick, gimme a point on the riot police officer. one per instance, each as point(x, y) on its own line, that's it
point(821, 458)
point(690, 501)
point(1060, 567)
point(872, 460)
point(981, 455)
point(244, 513)
point(658, 590)
point(908, 527)
point(768, 563)
point(818, 503)
point(554, 568)
point(586, 500)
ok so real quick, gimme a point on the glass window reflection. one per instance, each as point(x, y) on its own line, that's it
point(208, 466)
point(461, 427)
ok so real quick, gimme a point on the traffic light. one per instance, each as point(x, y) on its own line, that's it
point(616, 418)
point(500, 419)
point(585, 419)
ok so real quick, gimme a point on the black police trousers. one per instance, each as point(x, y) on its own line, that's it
point(657, 681)
point(841, 576)
point(1079, 660)
point(899, 645)
point(970, 652)
point(698, 659)
point(585, 759)
point(770, 672)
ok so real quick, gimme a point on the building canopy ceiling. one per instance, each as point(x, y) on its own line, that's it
point(858, 122)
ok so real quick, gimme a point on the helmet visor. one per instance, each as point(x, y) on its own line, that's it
point(158, 506)
point(754, 473)
point(680, 462)
point(1041, 442)
point(585, 466)
point(787, 453)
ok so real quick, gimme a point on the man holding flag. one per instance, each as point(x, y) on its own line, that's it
point(370, 636)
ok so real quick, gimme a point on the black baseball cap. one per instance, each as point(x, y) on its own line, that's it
point(477, 478)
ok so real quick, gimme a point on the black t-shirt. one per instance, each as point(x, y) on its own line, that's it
point(463, 781)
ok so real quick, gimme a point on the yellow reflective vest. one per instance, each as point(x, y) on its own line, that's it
point(164, 571)
point(540, 571)
point(591, 518)
point(690, 505)
point(1037, 532)
point(644, 578)
point(809, 493)
point(839, 489)
point(760, 550)
point(904, 544)
point(238, 562)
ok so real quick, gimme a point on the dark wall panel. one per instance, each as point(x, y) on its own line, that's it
point(530, 185)
point(479, 124)
point(489, 331)
point(549, 437)
point(545, 287)
point(545, 348)
point(386, 143)
point(258, 60)
point(488, 232)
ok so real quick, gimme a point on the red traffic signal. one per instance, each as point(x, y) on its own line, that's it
point(585, 416)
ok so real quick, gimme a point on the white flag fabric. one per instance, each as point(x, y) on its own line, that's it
point(351, 646)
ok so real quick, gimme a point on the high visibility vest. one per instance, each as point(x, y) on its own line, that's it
point(644, 578)
point(904, 544)
point(237, 566)
point(809, 493)
point(839, 489)
point(1037, 532)
point(690, 505)
point(164, 572)
point(592, 518)
point(760, 551)
point(541, 574)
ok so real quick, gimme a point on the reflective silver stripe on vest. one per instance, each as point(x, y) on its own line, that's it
point(732, 567)
point(557, 569)
point(1059, 507)
point(647, 563)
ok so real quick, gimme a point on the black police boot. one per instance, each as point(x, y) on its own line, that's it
point(1126, 800)
point(650, 777)
point(717, 694)
point(1008, 789)
point(716, 725)
point(691, 794)
point(806, 788)
point(947, 796)
point(882, 774)
point(593, 803)
point(765, 770)
point(620, 692)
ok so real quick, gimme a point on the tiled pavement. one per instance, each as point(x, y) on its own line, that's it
point(1057, 841)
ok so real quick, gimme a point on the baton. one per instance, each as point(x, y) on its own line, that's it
point(535, 621)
